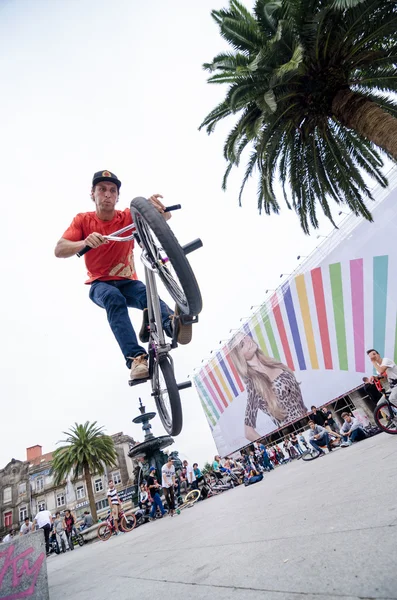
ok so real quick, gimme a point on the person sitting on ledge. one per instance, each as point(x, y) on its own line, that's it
point(351, 430)
point(318, 436)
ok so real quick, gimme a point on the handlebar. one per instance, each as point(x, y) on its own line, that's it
point(113, 236)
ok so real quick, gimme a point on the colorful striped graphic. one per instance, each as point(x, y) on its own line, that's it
point(380, 266)
point(357, 289)
point(335, 272)
point(318, 290)
point(315, 330)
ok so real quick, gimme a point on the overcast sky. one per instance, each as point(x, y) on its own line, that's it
point(88, 85)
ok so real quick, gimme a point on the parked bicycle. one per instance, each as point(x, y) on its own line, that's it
point(127, 523)
point(163, 256)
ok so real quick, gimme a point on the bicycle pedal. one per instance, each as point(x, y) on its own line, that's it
point(188, 319)
point(133, 382)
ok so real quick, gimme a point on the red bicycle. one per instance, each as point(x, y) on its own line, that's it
point(127, 523)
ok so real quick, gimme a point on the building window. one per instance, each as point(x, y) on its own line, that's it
point(116, 477)
point(22, 489)
point(101, 504)
point(7, 494)
point(8, 519)
point(41, 505)
point(60, 500)
point(98, 485)
point(80, 492)
point(23, 513)
point(39, 484)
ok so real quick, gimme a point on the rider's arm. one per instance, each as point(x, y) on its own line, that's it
point(66, 248)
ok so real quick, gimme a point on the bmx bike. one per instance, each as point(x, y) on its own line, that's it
point(385, 415)
point(127, 523)
point(190, 500)
point(162, 256)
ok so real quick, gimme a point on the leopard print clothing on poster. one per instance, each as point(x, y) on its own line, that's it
point(288, 394)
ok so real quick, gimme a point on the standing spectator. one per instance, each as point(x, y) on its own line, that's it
point(191, 477)
point(26, 527)
point(303, 441)
point(351, 430)
point(319, 437)
point(288, 448)
point(114, 505)
point(60, 533)
point(9, 537)
point(198, 474)
point(43, 520)
point(318, 417)
point(168, 482)
point(330, 422)
point(267, 465)
point(272, 456)
point(154, 488)
point(295, 443)
point(69, 522)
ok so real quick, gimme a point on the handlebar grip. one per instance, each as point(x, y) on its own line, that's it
point(173, 207)
point(83, 251)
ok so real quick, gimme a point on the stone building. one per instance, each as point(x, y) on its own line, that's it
point(27, 486)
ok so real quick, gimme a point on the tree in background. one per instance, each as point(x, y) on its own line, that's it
point(88, 449)
point(311, 83)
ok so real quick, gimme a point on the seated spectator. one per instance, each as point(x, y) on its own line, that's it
point(9, 537)
point(88, 521)
point(351, 430)
point(252, 476)
point(144, 500)
point(330, 424)
point(216, 467)
point(198, 474)
point(318, 436)
point(183, 482)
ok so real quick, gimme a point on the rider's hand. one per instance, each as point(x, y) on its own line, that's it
point(158, 205)
point(94, 240)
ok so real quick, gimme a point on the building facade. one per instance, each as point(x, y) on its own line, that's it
point(28, 486)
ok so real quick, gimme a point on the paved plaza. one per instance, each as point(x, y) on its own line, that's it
point(312, 531)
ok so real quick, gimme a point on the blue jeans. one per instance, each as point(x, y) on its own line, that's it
point(355, 436)
point(298, 448)
point(115, 297)
point(266, 462)
point(323, 441)
point(156, 503)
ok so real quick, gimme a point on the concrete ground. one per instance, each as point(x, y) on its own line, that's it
point(314, 531)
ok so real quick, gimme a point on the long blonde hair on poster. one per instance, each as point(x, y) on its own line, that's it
point(261, 381)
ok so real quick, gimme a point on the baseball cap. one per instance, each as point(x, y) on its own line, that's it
point(105, 176)
point(152, 469)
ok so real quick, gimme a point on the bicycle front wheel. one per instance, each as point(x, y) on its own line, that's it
point(162, 246)
point(310, 455)
point(192, 497)
point(385, 416)
point(104, 532)
point(166, 395)
point(128, 522)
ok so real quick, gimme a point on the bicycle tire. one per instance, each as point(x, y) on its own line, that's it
point(171, 417)
point(128, 522)
point(80, 540)
point(104, 532)
point(145, 215)
point(380, 419)
point(192, 497)
point(309, 455)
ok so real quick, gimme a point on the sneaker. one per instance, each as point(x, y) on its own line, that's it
point(119, 532)
point(139, 367)
point(144, 331)
point(184, 331)
point(329, 448)
point(322, 454)
point(344, 445)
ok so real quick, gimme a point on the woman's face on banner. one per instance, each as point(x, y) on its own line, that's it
point(248, 347)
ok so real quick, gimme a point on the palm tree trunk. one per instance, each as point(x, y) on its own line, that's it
point(367, 118)
point(88, 485)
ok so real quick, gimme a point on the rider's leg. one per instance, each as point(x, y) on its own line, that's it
point(134, 292)
point(106, 295)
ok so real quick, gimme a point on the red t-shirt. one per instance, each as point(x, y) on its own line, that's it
point(114, 260)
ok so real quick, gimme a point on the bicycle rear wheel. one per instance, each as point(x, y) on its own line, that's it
point(192, 497)
point(155, 236)
point(128, 522)
point(385, 416)
point(166, 395)
point(104, 532)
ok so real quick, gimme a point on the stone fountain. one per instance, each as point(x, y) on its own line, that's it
point(149, 452)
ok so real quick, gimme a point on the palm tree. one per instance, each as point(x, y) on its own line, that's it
point(311, 83)
point(87, 450)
